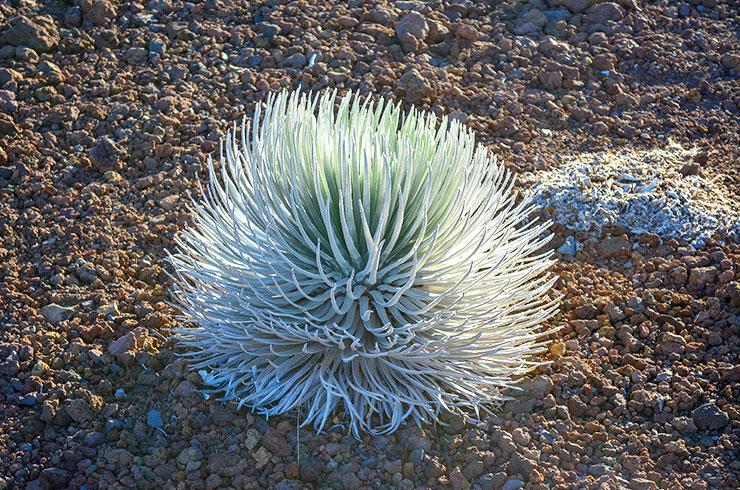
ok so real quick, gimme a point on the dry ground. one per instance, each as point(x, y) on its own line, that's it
point(107, 112)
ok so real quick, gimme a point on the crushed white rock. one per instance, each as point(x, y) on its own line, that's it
point(642, 191)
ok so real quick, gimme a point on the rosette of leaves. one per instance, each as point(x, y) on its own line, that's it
point(350, 258)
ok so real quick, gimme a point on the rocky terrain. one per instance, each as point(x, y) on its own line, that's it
point(108, 111)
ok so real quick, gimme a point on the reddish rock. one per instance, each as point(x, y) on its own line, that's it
point(275, 442)
point(39, 34)
point(121, 345)
point(467, 31)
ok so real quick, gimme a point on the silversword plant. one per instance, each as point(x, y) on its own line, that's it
point(364, 261)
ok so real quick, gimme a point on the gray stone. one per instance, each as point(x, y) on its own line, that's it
point(603, 12)
point(491, 481)
point(93, 439)
point(269, 30)
point(55, 477)
point(295, 61)
point(570, 247)
point(575, 6)
point(512, 484)
point(54, 314)
point(710, 417)
point(556, 15)
point(414, 24)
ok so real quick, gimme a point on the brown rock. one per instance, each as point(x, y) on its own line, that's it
point(185, 388)
point(414, 24)
point(642, 484)
point(615, 246)
point(412, 44)
point(726, 276)
point(603, 12)
point(702, 275)
point(457, 479)
point(99, 12)
point(60, 114)
point(165, 103)
point(467, 31)
point(347, 21)
point(520, 464)
point(504, 440)
point(382, 34)
point(7, 125)
point(415, 86)
point(732, 374)
point(275, 442)
point(702, 157)
point(731, 60)
point(575, 6)
point(674, 338)
point(169, 203)
point(163, 150)
point(616, 313)
point(39, 34)
point(684, 425)
point(582, 114)
point(648, 238)
point(690, 169)
point(521, 436)
point(731, 292)
point(600, 127)
point(552, 80)
point(527, 28)
point(105, 155)
point(437, 31)
point(121, 345)
point(380, 15)
point(604, 61)
point(84, 409)
point(536, 16)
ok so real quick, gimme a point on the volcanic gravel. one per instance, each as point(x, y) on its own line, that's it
point(107, 113)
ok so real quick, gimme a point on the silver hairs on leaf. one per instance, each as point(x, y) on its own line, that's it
point(362, 261)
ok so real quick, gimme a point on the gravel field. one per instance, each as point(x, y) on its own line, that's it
point(108, 111)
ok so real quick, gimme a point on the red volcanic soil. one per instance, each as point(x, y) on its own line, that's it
point(108, 111)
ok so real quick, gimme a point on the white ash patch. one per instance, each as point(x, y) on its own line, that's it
point(642, 191)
